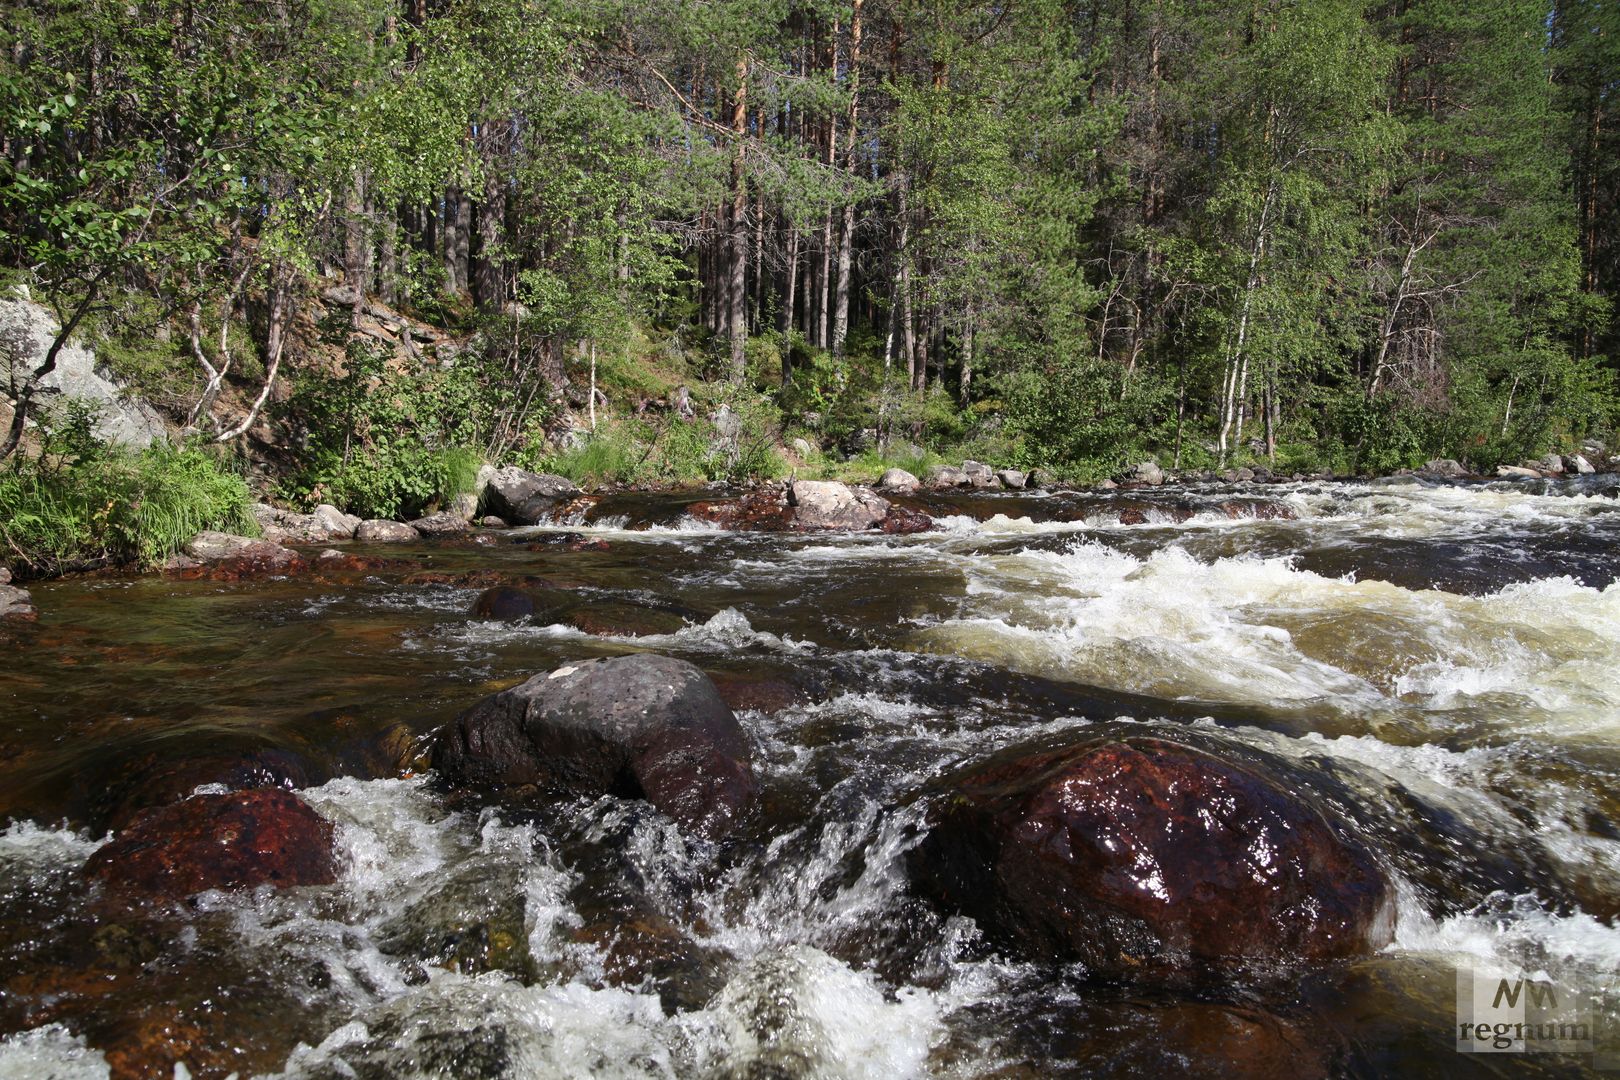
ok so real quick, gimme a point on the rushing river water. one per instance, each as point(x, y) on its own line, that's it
point(1439, 663)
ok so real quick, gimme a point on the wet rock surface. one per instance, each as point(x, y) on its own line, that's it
point(227, 557)
point(525, 498)
point(382, 531)
point(16, 603)
point(640, 726)
point(826, 504)
point(234, 841)
point(1136, 857)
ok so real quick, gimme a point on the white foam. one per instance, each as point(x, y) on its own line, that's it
point(50, 1053)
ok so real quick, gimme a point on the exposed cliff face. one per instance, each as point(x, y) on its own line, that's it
point(26, 332)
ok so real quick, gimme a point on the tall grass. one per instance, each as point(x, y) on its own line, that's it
point(117, 507)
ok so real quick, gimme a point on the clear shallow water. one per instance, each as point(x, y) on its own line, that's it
point(1441, 664)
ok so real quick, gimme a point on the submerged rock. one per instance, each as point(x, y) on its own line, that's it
point(237, 841)
point(827, 504)
point(523, 497)
point(640, 726)
point(1143, 855)
point(224, 555)
point(504, 604)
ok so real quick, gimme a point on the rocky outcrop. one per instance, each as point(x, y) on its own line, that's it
point(1144, 856)
point(26, 333)
point(639, 726)
point(827, 504)
point(897, 480)
point(523, 497)
point(235, 841)
point(382, 531)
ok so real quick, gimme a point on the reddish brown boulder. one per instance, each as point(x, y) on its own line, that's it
point(1144, 855)
point(766, 510)
point(224, 557)
point(1258, 509)
point(503, 604)
point(903, 520)
point(235, 841)
point(639, 726)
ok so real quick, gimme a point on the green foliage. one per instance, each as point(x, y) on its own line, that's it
point(107, 505)
point(385, 441)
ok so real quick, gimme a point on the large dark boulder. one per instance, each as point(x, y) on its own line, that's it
point(1143, 856)
point(636, 726)
point(502, 603)
point(524, 497)
point(237, 841)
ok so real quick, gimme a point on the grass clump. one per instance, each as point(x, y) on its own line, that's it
point(116, 506)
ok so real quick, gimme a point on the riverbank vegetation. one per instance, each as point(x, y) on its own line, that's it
point(371, 243)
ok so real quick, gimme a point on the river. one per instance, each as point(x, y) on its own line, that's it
point(1440, 662)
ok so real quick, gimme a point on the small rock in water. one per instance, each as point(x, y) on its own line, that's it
point(1109, 852)
point(235, 841)
point(827, 504)
point(444, 523)
point(490, 521)
point(640, 726)
point(1517, 472)
point(947, 476)
point(383, 531)
point(1578, 464)
point(504, 604)
point(16, 603)
point(897, 480)
point(524, 497)
point(1552, 463)
point(223, 555)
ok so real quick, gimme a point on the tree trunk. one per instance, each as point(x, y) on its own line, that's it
point(846, 241)
point(457, 239)
point(490, 287)
point(736, 291)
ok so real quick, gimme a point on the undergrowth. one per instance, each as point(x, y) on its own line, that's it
point(115, 506)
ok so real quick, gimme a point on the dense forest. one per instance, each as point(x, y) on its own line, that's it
point(1324, 235)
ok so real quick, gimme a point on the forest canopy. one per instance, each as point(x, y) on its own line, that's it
point(1334, 234)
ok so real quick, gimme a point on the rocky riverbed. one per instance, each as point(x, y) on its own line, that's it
point(1217, 778)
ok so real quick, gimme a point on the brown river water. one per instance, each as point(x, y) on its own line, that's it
point(1438, 663)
